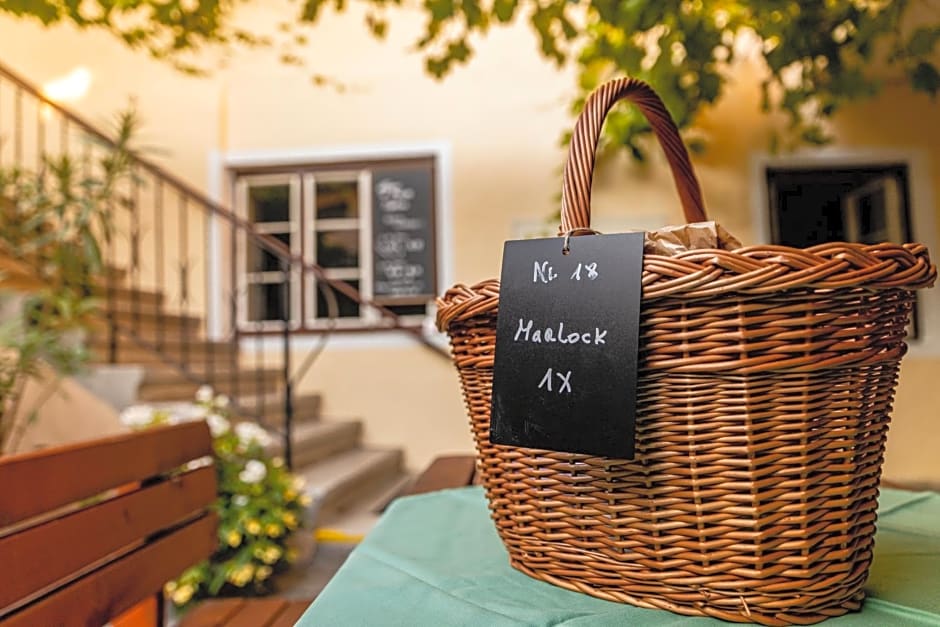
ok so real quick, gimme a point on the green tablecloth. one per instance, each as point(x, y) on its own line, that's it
point(435, 560)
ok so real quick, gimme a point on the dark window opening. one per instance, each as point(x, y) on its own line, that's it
point(866, 203)
point(371, 225)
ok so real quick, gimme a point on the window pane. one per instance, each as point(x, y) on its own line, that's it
point(347, 307)
point(261, 260)
point(338, 249)
point(266, 301)
point(338, 200)
point(873, 217)
point(269, 203)
point(409, 310)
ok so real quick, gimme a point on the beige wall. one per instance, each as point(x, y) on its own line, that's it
point(65, 412)
point(502, 116)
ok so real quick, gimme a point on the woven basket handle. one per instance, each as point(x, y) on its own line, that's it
point(579, 170)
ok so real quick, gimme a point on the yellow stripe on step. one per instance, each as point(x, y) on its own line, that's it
point(336, 536)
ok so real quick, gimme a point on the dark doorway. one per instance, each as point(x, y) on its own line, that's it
point(864, 203)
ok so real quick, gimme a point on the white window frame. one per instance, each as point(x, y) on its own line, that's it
point(243, 277)
point(921, 211)
point(223, 165)
point(851, 213)
point(368, 317)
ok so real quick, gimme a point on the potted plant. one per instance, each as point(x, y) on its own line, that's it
point(54, 221)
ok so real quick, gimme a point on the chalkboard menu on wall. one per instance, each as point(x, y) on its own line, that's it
point(403, 234)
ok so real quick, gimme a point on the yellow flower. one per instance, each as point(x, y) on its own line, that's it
point(277, 462)
point(234, 538)
point(271, 555)
point(290, 494)
point(242, 575)
point(289, 520)
point(263, 573)
point(291, 555)
point(273, 530)
point(253, 527)
point(169, 588)
point(183, 594)
point(305, 500)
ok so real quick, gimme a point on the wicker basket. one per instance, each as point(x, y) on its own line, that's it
point(765, 386)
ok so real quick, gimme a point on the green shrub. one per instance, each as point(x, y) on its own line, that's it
point(260, 504)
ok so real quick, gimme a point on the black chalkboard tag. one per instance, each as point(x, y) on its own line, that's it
point(567, 334)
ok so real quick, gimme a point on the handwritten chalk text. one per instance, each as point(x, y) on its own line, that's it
point(565, 382)
point(527, 332)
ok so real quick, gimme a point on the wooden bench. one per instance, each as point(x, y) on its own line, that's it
point(447, 471)
point(270, 612)
point(90, 530)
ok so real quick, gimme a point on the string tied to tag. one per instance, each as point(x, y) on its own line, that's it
point(581, 230)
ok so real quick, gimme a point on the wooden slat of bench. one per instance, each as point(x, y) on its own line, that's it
point(62, 547)
point(450, 471)
point(35, 483)
point(97, 597)
point(291, 614)
point(257, 613)
point(212, 613)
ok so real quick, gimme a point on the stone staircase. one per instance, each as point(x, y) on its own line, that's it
point(349, 483)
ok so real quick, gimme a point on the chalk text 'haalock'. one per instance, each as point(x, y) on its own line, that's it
point(528, 332)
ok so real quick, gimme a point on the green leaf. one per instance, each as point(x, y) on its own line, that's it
point(311, 10)
point(696, 146)
point(439, 10)
point(377, 25)
point(458, 51)
point(923, 40)
point(504, 10)
point(473, 14)
point(926, 78)
point(815, 135)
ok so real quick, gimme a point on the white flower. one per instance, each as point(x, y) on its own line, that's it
point(205, 394)
point(239, 500)
point(218, 425)
point(187, 412)
point(254, 472)
point(137, 415)
point(249, 432)
point(222, 401)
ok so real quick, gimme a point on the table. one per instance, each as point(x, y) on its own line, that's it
point(435, 560)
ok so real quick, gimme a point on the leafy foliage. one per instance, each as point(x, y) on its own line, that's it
point(260, 504)
point(54, 221)
point(819, 55)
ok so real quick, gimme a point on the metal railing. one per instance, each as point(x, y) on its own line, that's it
point(156, 294)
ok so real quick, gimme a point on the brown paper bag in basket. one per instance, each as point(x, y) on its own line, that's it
point(766, 376)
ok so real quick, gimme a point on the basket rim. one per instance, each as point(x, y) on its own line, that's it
point(751, 270)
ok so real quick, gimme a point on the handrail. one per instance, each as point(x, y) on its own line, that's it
point(270, 243)
point(175, 347)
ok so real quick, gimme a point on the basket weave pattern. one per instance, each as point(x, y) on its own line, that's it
point(766, 377)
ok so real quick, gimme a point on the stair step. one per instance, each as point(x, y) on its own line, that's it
point(306, 408)
point(147, 334)
point(114, 273)
point(129, 295)
point(339, 480)
point(379, 499)
point(130, 352)
point(221, 372)
point(130, 321)
point(128, 305)
point(316, 441)
point(358, 518)
point(183, 390)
